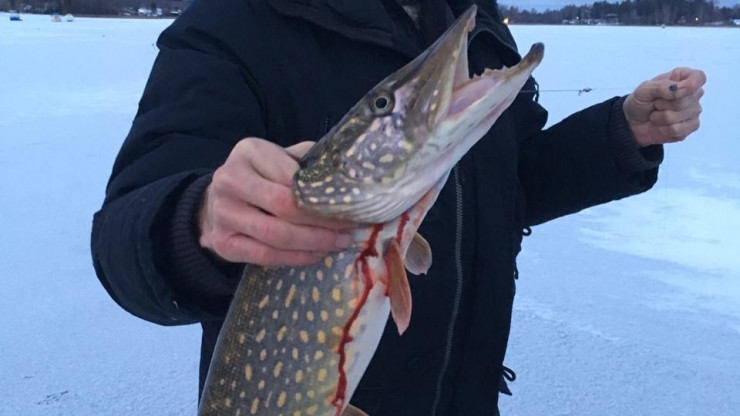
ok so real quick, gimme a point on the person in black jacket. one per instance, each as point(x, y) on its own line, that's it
point(201, 186)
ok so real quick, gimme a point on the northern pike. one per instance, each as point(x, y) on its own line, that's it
point(297, 340)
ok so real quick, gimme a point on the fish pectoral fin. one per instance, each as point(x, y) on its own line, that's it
point(353, 411)
point(418, 255)
point(398, 287)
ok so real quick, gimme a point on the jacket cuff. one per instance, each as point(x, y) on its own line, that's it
point(199, 278)
point(630, 159)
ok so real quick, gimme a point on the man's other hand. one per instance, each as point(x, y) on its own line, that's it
point(666, 109)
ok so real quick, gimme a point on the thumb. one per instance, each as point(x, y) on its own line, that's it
point(652, 90)
point(298, 150)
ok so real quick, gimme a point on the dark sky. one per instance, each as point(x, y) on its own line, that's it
point(556, 4)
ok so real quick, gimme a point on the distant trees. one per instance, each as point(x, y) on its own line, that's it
point(92, 7)
point(632, 12)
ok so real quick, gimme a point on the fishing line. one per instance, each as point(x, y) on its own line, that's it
point(580, 91)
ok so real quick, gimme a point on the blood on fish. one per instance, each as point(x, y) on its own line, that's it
point(364, 273)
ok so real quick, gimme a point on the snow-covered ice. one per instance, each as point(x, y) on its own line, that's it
point(628, 308)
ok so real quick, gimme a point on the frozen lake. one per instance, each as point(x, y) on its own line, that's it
point(629, 308)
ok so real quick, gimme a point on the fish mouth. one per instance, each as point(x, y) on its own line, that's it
point(437, 88)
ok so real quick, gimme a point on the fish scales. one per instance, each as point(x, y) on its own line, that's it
point(296, 325)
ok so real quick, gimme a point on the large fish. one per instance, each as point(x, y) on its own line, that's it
point(297, 340)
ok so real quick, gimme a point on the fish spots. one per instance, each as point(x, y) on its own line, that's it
point(368, 166)
point(279, 285)
point(311, 394)
point(260, 385)
point(329, 190)
point(315, 294)
point(281, 399)
point(336, 294)
point(321, 376)
point(298, 396)
point(260, 335)
point(324, 315)
point(386, 158)
point(222, 382)
point(294, 353)
point(337, 331)
point(310, 316)
point(281, 333)
point(321, 336)
point(242, 337)
point(275, 314)
point(302, 276)
point(405, 145)
point(243, 394)
point(312, 410)
point(313, 200)
point(263, 355)
point(291, 294)
point(304, 336)
point(318, 355)
point(265, 300)
point(295, 315)
point(347, 199)
point(299, 376)
point(227, 403)
point(247, 372)
point(255, 406)
point(278, 368)
point(339, 312)
point(320, 275)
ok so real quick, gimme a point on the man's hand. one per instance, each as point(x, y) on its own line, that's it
point(249, 215)
point(666, 109)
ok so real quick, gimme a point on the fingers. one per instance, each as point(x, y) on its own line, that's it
point(678, 131)
point(666, 117)
point(679, 104)
point(272, 231)
point(268, 159)
point(242, 249)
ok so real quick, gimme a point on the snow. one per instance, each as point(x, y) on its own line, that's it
point(628, 308)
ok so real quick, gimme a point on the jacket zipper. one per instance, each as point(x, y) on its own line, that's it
point(458, 288)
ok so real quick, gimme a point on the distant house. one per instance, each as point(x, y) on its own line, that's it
point(736, 22)
point(611, 19)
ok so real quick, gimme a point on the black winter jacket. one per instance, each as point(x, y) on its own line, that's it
point(286, 70)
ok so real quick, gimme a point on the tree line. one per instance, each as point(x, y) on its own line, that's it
point(630, 12)
point(90, 7)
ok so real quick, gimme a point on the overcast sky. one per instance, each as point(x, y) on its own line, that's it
point(556, 4)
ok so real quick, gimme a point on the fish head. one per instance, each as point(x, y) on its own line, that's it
point(404, 136)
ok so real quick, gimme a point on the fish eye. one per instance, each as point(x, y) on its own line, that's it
point(382, 104)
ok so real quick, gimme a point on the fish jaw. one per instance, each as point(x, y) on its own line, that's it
point(374, 165)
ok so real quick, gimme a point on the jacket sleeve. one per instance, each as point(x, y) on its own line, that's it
point(199, 101)
point(587, 159)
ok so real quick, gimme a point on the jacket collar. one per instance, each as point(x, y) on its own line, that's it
point(369, 21)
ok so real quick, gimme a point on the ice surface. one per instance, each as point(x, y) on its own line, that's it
point(630, 308)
